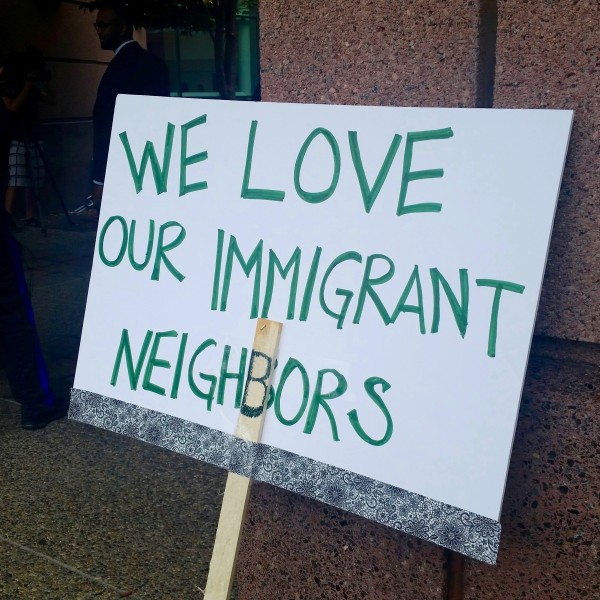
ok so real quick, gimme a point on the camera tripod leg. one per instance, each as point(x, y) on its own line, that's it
point(40, 215)
point(52, 181)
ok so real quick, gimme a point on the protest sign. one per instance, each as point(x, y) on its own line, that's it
point(402, 248)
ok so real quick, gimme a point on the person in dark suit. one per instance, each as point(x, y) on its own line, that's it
point(133, 70)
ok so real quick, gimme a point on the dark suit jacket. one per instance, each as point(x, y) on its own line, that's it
point(133, 70)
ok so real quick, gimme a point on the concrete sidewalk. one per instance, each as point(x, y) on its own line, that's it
point(87, 513)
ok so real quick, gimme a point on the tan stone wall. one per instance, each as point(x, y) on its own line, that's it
point(409, 53)
point(430, 53)
point(548, 56)
point(421, 53)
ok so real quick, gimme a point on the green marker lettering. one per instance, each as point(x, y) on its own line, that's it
point(346, 294)
point(461, 310)
point(153, 362)
point(369, 195)
point(414, 280)
point(130, 246)
point(125, 350)
point(208, 396)
point(217, 276)
point(407, 175)
point(254, 261)
point(184, 187)
point(500, 286)
point(367, 285)
point(274, 263)
point(162, 249)
point(316, 197)
point(160, 174)
point(310, 284)
point(256, 193)
point(389, 424)
point(122, 249)
point(319, 400)
point(292, 366)
point(235, 375)
point(179, 366)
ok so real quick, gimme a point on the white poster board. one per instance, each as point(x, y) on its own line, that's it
point(402, 248)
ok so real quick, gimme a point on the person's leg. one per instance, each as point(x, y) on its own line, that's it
point(10, 198)
point(18, 356)
point(20, 352)
point(31, 210)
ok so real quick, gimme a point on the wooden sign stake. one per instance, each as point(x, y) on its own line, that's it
point(237, 488)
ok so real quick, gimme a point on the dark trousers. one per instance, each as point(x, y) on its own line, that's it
point(20, 353)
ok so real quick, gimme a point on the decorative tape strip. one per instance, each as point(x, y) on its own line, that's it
point(431, 520)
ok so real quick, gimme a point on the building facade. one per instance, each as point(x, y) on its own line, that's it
point(457, 53)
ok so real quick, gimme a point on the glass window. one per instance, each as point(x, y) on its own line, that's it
point(190, 58)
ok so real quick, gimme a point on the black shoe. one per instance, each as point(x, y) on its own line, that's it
point(40, 420)
point(33, 222)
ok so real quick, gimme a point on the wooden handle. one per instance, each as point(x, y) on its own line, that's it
point(237, 488)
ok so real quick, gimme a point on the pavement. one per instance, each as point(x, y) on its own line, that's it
point(86, 513)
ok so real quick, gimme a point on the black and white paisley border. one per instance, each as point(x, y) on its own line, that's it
point(431, 520)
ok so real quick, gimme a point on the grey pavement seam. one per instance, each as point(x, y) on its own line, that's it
point(62, 565)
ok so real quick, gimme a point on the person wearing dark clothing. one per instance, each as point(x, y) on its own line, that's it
point(21, 90)
point(5, 126)
point(20, 353)
point(133, 70)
